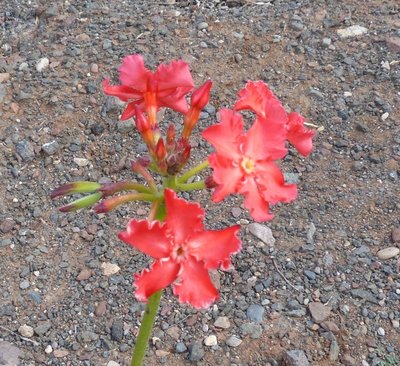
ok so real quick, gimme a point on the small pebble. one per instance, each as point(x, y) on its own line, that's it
point(210, 340)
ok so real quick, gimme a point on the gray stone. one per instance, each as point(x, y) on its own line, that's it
point(262, 232)
point(334, 351)
point(319, 311)
point(3, 92)
point(42, 328)
point(7, 225)
point(295, 358)
point(202, 25)
point(125, 126)
point(310, 275)
point(255, 313)
point(222, 322)
point(117, 330)
point(252, 329)
point(35, 296)
point(24, 285)
point(25, 150)
point(180, 347)
point(50, 148)
point(233, 341)
point(196, 352)
point(9, 354)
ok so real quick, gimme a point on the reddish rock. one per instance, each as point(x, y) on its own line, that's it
point(393, 44)
point(7, 225)
point(396, 234)
point(101, 308)
point(331, 326)
point(84, 275)
point(319, 312)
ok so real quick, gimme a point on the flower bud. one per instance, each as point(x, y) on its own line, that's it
point(170, 137)
point(75, 187)
point(82, 202)
point(201, 96)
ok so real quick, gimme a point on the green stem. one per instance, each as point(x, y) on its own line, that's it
point(195, 170)
point(146, 327)
point(194, 186)
point(157, 212)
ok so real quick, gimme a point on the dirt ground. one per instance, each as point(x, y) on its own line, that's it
point(57, 126)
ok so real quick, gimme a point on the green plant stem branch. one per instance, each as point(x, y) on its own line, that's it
point(194, 186)
point(192, 172)
point(146, 327)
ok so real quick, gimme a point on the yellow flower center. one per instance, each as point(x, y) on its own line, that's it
point(247, 165)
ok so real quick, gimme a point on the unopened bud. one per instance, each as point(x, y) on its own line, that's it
point(210, 182)
point(75, 187)
point(201, 96)
point(82, 203)
point(160, 151)
point(170, 137)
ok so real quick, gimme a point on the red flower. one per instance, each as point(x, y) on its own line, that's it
point(299, 136)
point(183, 252)
point(257, 97)
point(244, 162)
point(166, 87)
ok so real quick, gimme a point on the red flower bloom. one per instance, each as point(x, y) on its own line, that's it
point(183, 252)
point(166, 87)
point(244, 162)
point(257, 97)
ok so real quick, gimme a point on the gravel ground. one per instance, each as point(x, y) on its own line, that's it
point(322, 289)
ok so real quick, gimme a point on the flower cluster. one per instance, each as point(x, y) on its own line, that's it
point(245, 162)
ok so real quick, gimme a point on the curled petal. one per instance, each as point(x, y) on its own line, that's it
point(130, 110)
point(174, 77)
point(226, 135)
point(133, 72)
point(160, 275)
point(173, 101)
point(254, 201)
point(214, 247)
point(299, 136)
point(272, 184)
point(123, 92)
point(226, 175)
point(183, 218)
point(201, 95)
point(195, 286)
point(148, 237)
point(255, 96)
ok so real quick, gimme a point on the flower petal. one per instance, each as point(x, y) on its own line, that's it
point(183, 218)
point(123, 92)
point(255, 96)
point(265, 140)
point(129, 111)
point(160, 275)
point(133, 73)
point(254, 200)
point(178, 104)
point(174, 77)
point(226, 136)
point(272, 184)
point(299, 136)
point(226, 175)
point(215, 246)
point(148, 237)
point(195, 286)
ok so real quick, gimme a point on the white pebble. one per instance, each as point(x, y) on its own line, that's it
point(26, 331)
point(81, 162)
point(384, 116)
point(42, 64)
point(211, 340)
point(381, 331)
point(48, 349)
